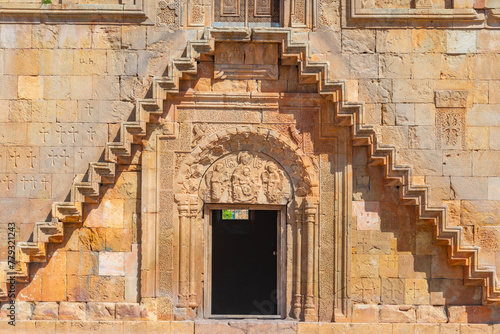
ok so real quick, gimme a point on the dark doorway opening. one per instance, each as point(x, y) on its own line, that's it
point(244, 262)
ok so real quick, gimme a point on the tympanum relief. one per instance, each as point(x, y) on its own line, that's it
point(246, 177)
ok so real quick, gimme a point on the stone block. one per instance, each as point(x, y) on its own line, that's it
point(75, 37)
point(494, 86)
point(30, 87)
point(307, 327)
point(370, 90)
point(20, 111)
point(453, 292)
point(449, 328)
point(426, 66)
point(22, 62)
point(394, 66)
point(422, 137)
point(392, 290)
point(403, 328)
point(365, 265)
point(45, 311)
point(478, 138)
point(45, 36)
point(15, 36)
point(53, 287)
point(475, 329)
point(366, 213)
point(458, 67)
point(428, 40)
point(483, 115)
point(469, 188)
point(416, 292)
point(128, 311)
point(427, 329)
point(134, 37)
point(388, 266)
point(414, 266)
point(107, 288)
point(366, 290)
point(364, 66)
point(413, 91)
point(457, 163)
point(72, 311)
point(100, 311)
point(82, 263)
point(118, 239)
point(20, 309)
point(358, 41)
point(393, 41)
point(111, 264)
point(397, 135)
point(424, 162)
point(495, 138)
point(57, 62)
point(56, 87)
point(484, 163)
point(429, 313)
point(106, 37)
point(397, 314)
point(112, 213)
point(182, 327)
point(461, 41)
point(472, 314)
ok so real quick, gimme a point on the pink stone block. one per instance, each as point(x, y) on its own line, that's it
point(367, 215)
point(112, 264)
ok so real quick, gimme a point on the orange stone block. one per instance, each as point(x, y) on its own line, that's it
point(31, 291)
point(53, 288)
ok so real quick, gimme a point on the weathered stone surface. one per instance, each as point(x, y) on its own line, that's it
point(100, 311)
point(72, 311)
point(365, 313)
point(429, 313)
point(46, 311)
point(395, 314)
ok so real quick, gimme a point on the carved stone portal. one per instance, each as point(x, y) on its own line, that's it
point(246, 177)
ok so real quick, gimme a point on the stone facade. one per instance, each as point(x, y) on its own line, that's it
point(373, 127)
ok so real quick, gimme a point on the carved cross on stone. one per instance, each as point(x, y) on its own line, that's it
point(65, 156)
point(7, 180)
point(53, 157)
point(60, 132)
point(45, 182)
point(44, 132)
point(15, 156)
point(91, 132)
point(31, 157)
point(73, 132)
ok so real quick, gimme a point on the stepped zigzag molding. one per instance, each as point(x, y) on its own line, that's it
point(310, 71)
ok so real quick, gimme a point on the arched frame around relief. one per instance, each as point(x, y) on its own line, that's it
point(304, 204)
point(168, 205)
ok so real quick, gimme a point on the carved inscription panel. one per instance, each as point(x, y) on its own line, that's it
point(246, 177)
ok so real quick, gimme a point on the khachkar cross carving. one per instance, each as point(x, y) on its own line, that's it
point(451, 127)
point(246, 177)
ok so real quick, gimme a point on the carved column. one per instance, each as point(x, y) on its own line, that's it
point(297, 302)
point(184, 225)
point(193, 219)
point(310, 212)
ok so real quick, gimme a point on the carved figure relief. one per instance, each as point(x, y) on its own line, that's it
point(246, 177)
point(215, 180)
point(272, 179)
point(244, 188)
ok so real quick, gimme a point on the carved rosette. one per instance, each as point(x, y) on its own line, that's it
point(246, 177)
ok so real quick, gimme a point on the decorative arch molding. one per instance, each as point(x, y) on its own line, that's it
point(249, 138)
point(251, 149)
point(343, 114)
